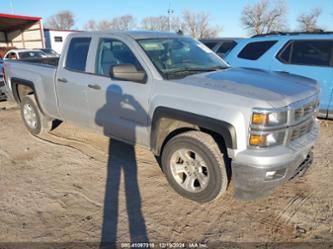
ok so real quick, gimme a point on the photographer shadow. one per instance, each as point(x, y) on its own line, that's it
point(121, 161)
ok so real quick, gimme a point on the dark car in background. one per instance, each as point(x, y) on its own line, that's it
point(221, 46)
point(2, 88)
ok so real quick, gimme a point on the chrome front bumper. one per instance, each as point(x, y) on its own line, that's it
point(257, 172)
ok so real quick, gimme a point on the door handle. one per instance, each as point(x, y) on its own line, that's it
point(94, 86)
point(63, 80)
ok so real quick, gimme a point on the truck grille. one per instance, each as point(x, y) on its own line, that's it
point(300, 130)
point(302, 118)
point(303, 112)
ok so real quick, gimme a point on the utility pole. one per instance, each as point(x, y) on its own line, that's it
point(11, 6)
point(170, 12)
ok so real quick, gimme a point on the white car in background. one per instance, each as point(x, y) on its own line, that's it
point(48, 51)
point(19, 54)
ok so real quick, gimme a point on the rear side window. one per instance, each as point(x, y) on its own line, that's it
point(285, 53)
point(309, 53)
point(77, 54)
point(211, 45)
point(255, 50)
point(226, 47)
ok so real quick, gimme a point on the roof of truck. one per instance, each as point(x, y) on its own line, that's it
point(134, 34)
point(151, 34)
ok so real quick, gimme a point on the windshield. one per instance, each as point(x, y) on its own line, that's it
point(31, 54)
point(181, 56)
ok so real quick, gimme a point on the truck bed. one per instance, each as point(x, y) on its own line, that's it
point(40, 72)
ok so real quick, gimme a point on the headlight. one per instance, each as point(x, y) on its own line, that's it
point(265, 120)
point(269, 119)
point(260, 139)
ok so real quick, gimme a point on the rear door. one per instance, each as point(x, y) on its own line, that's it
point(312, 59)
point(71, 81)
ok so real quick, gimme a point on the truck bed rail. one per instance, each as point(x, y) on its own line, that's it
point(53, 61)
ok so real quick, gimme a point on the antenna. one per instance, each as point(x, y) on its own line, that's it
point(170, 12)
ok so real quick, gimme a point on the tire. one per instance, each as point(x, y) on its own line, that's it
point(194, 166)
point(32, 117)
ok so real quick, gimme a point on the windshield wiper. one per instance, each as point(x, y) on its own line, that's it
point(198, 69)
point(188, 71)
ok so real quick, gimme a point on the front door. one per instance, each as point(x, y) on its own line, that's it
point(118, 108)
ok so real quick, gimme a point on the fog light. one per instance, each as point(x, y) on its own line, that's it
point(276, 174)
point(270, 174)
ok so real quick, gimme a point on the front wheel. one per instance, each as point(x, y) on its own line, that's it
point(33, 118)
point(194, 166)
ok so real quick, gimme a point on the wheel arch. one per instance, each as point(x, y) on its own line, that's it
point(17, 92)
point(168, 122)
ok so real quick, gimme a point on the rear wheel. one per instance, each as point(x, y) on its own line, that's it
point(194, 166)
point(33, 118)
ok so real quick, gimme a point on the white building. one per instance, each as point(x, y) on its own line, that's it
point(55, 38)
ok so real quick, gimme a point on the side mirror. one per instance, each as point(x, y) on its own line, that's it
point(127, 72)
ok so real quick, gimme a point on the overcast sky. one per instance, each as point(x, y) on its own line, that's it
point(223, 12)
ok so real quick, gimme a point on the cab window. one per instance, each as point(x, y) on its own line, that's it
point(113, 52)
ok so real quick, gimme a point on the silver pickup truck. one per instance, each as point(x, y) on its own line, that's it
point(207, 122)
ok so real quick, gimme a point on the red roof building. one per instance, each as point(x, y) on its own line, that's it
point(21, 31)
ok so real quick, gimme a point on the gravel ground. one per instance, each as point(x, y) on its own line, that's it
point(72, 185)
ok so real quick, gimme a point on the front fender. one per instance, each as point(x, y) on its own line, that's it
point(158, 135)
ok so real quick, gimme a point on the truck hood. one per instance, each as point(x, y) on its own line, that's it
point(277, 88)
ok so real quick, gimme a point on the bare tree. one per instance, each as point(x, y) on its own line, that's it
point(265, 17)
point(126, 22)
point(196, 24)
point(104, 25)
point(91, 25)
point(62, 20)
point(308, 21)
point(158, 23)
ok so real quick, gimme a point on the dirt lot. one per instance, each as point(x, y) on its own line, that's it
point(64, 187)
